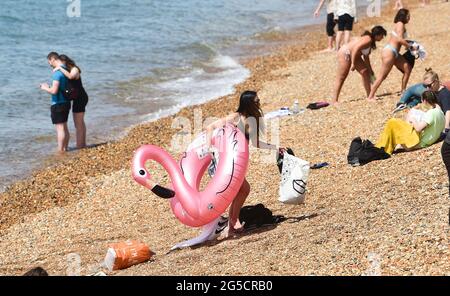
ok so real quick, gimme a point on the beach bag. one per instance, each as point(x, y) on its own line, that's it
point(125, 254)
point(362, 152)
point(70, 92)
point(294, 176)
point(256, 216)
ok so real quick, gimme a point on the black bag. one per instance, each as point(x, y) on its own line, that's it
point(317, 105)
point(363, 152)
point(257, 216)
point(410, 58)
point(70, 92)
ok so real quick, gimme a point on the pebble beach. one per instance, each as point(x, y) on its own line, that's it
point(388, 217)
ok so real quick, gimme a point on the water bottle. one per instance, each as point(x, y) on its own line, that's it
point(295, 108)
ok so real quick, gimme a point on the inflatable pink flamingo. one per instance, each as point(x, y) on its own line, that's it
point(191, 207)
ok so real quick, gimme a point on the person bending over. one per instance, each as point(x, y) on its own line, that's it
point(355, 56)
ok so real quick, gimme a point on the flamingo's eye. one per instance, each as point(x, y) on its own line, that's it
point(142, 172)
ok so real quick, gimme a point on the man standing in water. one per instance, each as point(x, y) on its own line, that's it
point(60, 107)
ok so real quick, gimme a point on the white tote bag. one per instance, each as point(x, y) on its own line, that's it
point(294, 176)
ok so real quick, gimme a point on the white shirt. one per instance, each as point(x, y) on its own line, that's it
point(331, 6)
point(346, 6)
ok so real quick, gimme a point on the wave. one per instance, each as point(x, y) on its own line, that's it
point(216, 79)
point(11, 19)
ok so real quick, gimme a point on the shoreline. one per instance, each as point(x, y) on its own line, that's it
point(120, 131)
point(272, 41)
point(270, 48)
point(74, 180)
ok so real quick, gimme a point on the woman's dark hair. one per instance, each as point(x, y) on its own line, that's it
point(401, 16)
point(376, 31)
point(250, 108)
point(69, 62)
point(429, 97)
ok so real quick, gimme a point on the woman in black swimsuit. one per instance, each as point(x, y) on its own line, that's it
point(249, 119)
point(73, 73)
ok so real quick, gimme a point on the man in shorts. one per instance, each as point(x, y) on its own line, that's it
point(346, 14)
point(331, 22)
point(60, 106)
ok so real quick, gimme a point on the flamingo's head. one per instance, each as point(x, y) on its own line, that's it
point(141, 174)
point(138, 169)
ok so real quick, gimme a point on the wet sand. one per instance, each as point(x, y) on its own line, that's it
point(394, 212)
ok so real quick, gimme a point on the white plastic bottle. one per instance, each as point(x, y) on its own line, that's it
point(295, 108)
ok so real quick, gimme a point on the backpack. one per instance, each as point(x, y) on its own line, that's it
point(363, 152)
point(258, 215)
point(70, 92)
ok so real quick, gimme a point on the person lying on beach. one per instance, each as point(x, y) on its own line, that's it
point(331, 22)
point(412, 96)
point(355, 56)
point(249, 119)
point(391, 54)
point(420, 130)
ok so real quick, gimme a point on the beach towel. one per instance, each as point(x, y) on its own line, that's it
point(397, 132)
point(278, 113)
point(417, 50)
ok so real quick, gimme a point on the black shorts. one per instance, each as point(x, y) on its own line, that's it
point(79, 104)
point(60, 112)
point(331, 23)
point(345, 22)
point(410, 59)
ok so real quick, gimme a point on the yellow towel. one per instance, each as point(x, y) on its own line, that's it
point(397, 131)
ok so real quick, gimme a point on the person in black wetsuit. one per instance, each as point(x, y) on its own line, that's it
point(73, 73)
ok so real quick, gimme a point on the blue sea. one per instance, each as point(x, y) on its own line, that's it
point(140, 60)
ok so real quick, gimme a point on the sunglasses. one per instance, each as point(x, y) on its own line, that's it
point(428, 85)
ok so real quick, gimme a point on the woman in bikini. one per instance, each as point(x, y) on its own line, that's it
point(249, 119)
point(391, 53)
point(355, 56)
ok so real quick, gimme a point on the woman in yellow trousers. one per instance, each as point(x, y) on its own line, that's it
point(417, 131)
